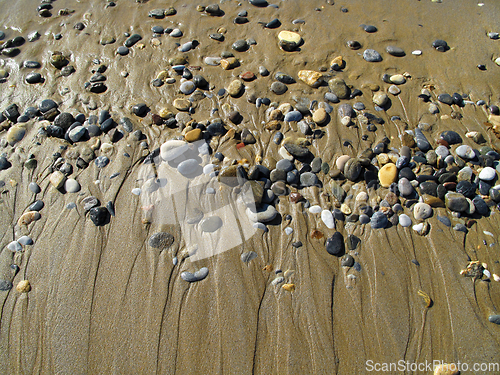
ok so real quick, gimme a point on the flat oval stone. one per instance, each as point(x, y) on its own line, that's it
point(161, 240)
point(33, 78)
point(371, 55)
point(199, 275)
point(494, 319)
point(335, 244)
point(122, 51)
point(487, 174)
point(173, 149)
point(14, 246)
point(210, 224)
point(25, 240)
point(451, 137)
point(262, 214)
point(378, 220)
point(404, 220)
point(387, 174)
point(188, 167)
point(36, 206)
point(101, 161)
point(422, 142)
point(465, 152)
point(395, 51)
point(133, 39)
point(72, 186)
point(422, 211)
point(187, 87)
point(293, 116)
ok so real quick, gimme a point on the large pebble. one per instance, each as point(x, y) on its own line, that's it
point(487, 174)
point(388, 174)
point(210, 224)
point(57, 179)
point(161, 240)
point(456, 202)
point(188, 167)
point(327, 218)
point(378, 220)
point(422, 211)
point(335, 244)
point(187, 87)
point(465, 152)
point(262, 214)
point(196, 276)
point(404, 220)
point(72, 186)
point(371, 55)
point(352, 169)
point(173, 149)
point(293, 116)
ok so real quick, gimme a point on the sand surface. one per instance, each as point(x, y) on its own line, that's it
point(102, 301)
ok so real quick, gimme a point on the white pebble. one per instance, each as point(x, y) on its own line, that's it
point(175, 261)
point(404, 220)
point(210, 190)
point(207, 169)
point(25, 240)
point(315, 209)
point(487, 273)
point(261, 226)
point(14, 246)
point(72, 186)
point(417, 52)
point(327, 218)
point(136, 191)
point(288, 230)
point(488, 233)
point(496, 277)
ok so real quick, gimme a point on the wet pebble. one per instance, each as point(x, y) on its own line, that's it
point(371, 55)
point(404, 220)
point(248, 256)
point(98, 215)
point(378, 220)
point(335, 244)
point(210, 224)
point(161, 240)
point(199, 275)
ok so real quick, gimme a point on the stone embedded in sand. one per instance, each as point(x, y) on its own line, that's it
point(395, 51)
point(320, 116)
point(494, 319)
point(15, 246)
point(335, 244)
point(99, 216)
point(15, 134)
point(310, 77)
point(288, 287)
point(210, 224)
point(182, 104)
point(71, 186)
point(188, 167)
point(235, 88)
point(352, 169)
point(371, 55)
point(173, 149)
point(248, 256)
point(161, 240)
point(57, 179)
point(193, 135)
point(380, 99)
point(262, 214)
point(196, 276)
point(446, 369)
point(404, 220)
point(388, 174)
point(5, 285)
point(338, 87)
point(327, 218)
point(28, 217)
point(229, 63)
point(422, 211)
point(289, 37)
point(23, 286)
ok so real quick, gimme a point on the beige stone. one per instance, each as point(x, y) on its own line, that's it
point(193, 135)
point(57, 179)
point(320, 116)
point(446, 369)
point(398, 79)
point(229, 63)
point(28, 217)
point(312, 78)
point(182, 104)
point(388, 174)
point(23, 286)
point(289, 36)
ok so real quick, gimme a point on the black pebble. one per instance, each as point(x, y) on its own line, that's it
point(99, 216)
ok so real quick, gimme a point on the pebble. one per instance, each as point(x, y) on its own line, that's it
point(487, 174)
point(57, 179)
point(371, 55)
point(308, 179)
point(293, 116)
point(210, 224)
point(101, 161)
point(72, 186)
point(494, 319)
point(315, 209)
point(248, 256)
point(262, 214)
point(187, 87)
point(465, 152)
point(278, 88)
point(388, 174)
point(36, 206)
point(422, 211)
point(327, 218)
point(378, 220)
point(335, 245)
point(199, 275)
point(404, 220)
point(440, 45)
point(188, 167)
point(14, 246)
point(5, 285)
point(172, 149)
point(456, 202)
point(98, 215)
point(395, 51)
point(352, 169)
point(136, 191)
point(161, 240)
point(23, 286)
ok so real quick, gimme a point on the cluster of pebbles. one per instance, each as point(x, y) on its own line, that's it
point(426, 181)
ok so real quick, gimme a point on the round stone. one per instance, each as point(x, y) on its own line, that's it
point(33, 78)
point(161, 240)
point(404, 220)
point(285, 165)
point(188, 167)
point(335, 244)
point(240, 45)
point(320, 116)
point(465, 152)
point(293, 116)
point(371, 55)
point(378, 220)
point(422, 211)
point(122, 51)
point(99, 215)
point(278, 88)
point(262, 214)
point(33, 186)
point(352, 169)
point(187, 87)
point(440, 45)
point(487, 174)
point(456, 202)
point(308, 179)
point(101, 161)
point(210, 224)
point(72, 186)
point(14, 246)
point(405, 187)
point(388, 174)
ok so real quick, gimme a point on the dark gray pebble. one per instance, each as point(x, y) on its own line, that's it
point(133, 39)
point(36, 206)
point(122, 50)
point(99, 216)
point(335, 244)
point(101, 161)
point(5, 285)
point(33, 78)
point(161, 240)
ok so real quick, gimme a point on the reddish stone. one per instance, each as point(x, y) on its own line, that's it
point(316, 234)
point(295, 197)
point(247, 76)
point(442, 142)
point(240, 145)
point(157, 120)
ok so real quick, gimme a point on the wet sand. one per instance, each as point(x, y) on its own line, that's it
point(103, 301)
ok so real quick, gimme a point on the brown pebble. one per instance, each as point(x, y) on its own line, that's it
point(391, 198)
point(335, 173)
point(247, 76)
point(229, 63)
point(267, 268)
point(273, 125)
point(193, 135)
point(276, 114)
point(470, 223)
point(451, 186)
point(408, 140)
point(316, 234)
point(295, 197)
point(235, 117)
point(28, 217)
point(157, 120)
point(23, 286)
point(432, 201)
point(289, 287)
point(442, 142)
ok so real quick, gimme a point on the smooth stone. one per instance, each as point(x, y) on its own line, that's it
point(210, 224)
point(371, 55)
point(310, 77)
point(285, 165)
point(293, 116)
point(25, 240)
point(480, 206)
point(395, 51)
point(33, 186)
point(465, 152)
point(188, 167)
point(327, 218)
point(101, 161)
point(404, 220)
point(77, 133)
point(422, 211)
point(422, 142)
point(33, 78)
point(262, 214)
point(456, 202)
point(341, 161)
point(315, 209)
point(388, 174)
point(172, 149)
point(466, 188)
point(352, 169)
point(345, 110)
point(99, 216)
point(320, 116)
point(122, 51)
point(338, 192)
point(494, 319)
point(451, 137)
point(465, 174)
point(57, 179)
point(14, 246)
point(199, 275)
point(308, 179)
point(133, 39)
point(36, 206)
point(248, 256)
point(487, 174)
point(290, 37)
point(235, 88)
point(339, 88)
point(381, 99)
point(335, 245)
point(161, 240)
point(297, 151)
point(445, 98)
point(378, 220)
point(440, 45)
point(72, 186)
point(405, 187)
point(187, 87)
